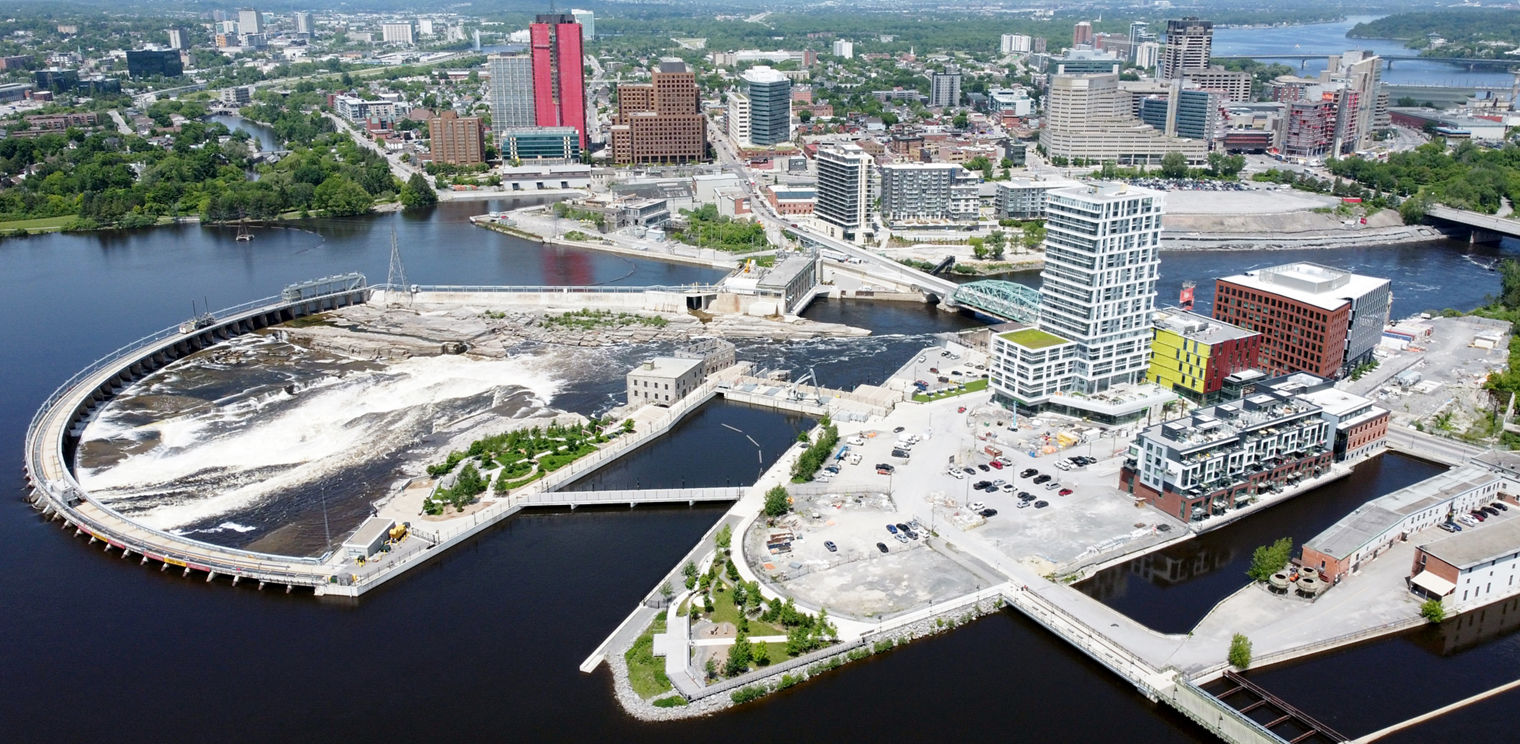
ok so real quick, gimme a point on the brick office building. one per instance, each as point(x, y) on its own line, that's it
point(660, 121)
point(1312, 318)
point(457, 140)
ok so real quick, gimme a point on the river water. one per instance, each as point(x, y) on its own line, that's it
point(487, 638)
point(1325, 39)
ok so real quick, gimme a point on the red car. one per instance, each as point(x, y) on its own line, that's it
point(996, 464)
point(1064, 492)
point(962, 409)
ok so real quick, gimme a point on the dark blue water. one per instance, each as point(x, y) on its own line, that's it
point(486, 639)
point(1330, 38)
point(1425, 276)
point(1172, 589)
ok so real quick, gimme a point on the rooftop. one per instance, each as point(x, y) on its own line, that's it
point(1033, 338)
point(1337, 403)
point(1320, 286)
point(1470, 547)
point(1195, 327)
point(1376, 517)
point(665, 367)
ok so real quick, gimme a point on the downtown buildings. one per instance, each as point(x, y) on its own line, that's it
point(660, 121)
point(457, 140)
point(1088, 119)
point(559, 82)
point(844, 190)
point(761, 115)
point(928, 194)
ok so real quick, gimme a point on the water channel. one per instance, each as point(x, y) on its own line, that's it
point(487, 638)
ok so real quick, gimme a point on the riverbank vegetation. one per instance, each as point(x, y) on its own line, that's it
point(1269, 559)
point(1484, 33)
point(587, 319)
point(705, 228)
point(646, 672)
point(1468, 177)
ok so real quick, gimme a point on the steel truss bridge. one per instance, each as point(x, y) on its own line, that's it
point(998, 298)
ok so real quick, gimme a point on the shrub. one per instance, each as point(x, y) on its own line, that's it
point(673, 701)
point(746, 694)
point(1433, 611)
point(1240, 652)
point(789, 680)
point(777, 502)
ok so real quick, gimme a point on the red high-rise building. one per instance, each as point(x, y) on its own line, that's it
point(559, 83)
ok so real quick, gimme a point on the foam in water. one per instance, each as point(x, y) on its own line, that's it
point(252, 447)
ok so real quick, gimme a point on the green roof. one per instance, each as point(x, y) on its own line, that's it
point(1034, 338)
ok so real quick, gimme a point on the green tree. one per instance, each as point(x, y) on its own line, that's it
point(776, 502)
point(724, 537)
point(804, 116)
point(739, 655)
point(418, 193)
point(340, 196)
point(960, 120)
point(1269, 559)
point(1432, 610)
point(1509, 283)
point(1173, 165)
point(1240, 652)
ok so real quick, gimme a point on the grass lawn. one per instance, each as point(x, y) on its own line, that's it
point(646, 673)
point(1033, 338)
point(970, 387)
point(41, 224)
point(725, 612)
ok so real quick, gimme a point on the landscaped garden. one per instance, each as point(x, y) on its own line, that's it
point(514, 459)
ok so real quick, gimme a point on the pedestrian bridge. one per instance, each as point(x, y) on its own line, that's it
point(631, 497)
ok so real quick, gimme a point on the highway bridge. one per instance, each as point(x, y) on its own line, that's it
point(1481, 228)
point(1388, 59)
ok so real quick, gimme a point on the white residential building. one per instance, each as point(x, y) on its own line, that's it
point(304, 24)
point(945, 88)
point(511, 92)
point(250, 22)
point(844, 190)
point(587, 19)
point(928, 193)
point(1097, 295)
point(844, 49)
point(397, 33)
point(738, 119)
point(1015, 44)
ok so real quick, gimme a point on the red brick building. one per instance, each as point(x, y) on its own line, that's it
point(457, 140)
point(1312, 318)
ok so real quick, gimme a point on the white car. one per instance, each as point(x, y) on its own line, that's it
point(977, 506)
point(856, 441)
point(956, 474)
point(1063, 465)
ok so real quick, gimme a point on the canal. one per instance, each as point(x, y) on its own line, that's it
point(487, 639)
point(1171, 590)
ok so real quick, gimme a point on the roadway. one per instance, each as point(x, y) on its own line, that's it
point(777, 225)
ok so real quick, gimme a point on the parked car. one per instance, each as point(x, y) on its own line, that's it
point(988, 513)
point(1006, 488)
point(1448, 526)
point(829, 544)
point(1499, 505)
point(1026, 496)
point(1064, 492)
point(1490, 511)
point(1052, 486)
point(1022, 505)
point(1038, 479)
point(892, 528)
point(982, 468)
point(898, 430)
point(911, 534)
point(956, 474)
point(1007, 463)
point(979, 485)
point(900, 537)
point(996, 464)
point(977, 506)
point(1063, 465)
point(969, 471)
point(1454, 526)
point(882, 547)
point(961, 409)
point(883, 468)
point(1028, 473)
point(1041, 504)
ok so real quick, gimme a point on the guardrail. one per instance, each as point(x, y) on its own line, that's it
point(550, 289)
point(37, 448)
point(646, 496)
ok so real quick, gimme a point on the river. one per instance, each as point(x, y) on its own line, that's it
point(487, 638)
point(261, 133)
point(1330, 38)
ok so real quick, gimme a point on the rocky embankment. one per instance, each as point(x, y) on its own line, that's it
point(1299, 229)
point(374, 331)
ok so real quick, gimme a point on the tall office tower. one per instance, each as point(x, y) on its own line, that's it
point(304, 23)
point(250, 22)
point(559, 83)
point(945, 88)
point(1087, 117)
point(770, 106)
point(1083, 34)
point(1189, 42)
point(511, 92)
point(1140, 32)
point(844, 189)
point(587, 19)
point(660, 121)
point(177, 39)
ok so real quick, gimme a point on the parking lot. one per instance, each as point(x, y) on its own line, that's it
point(931, 492)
